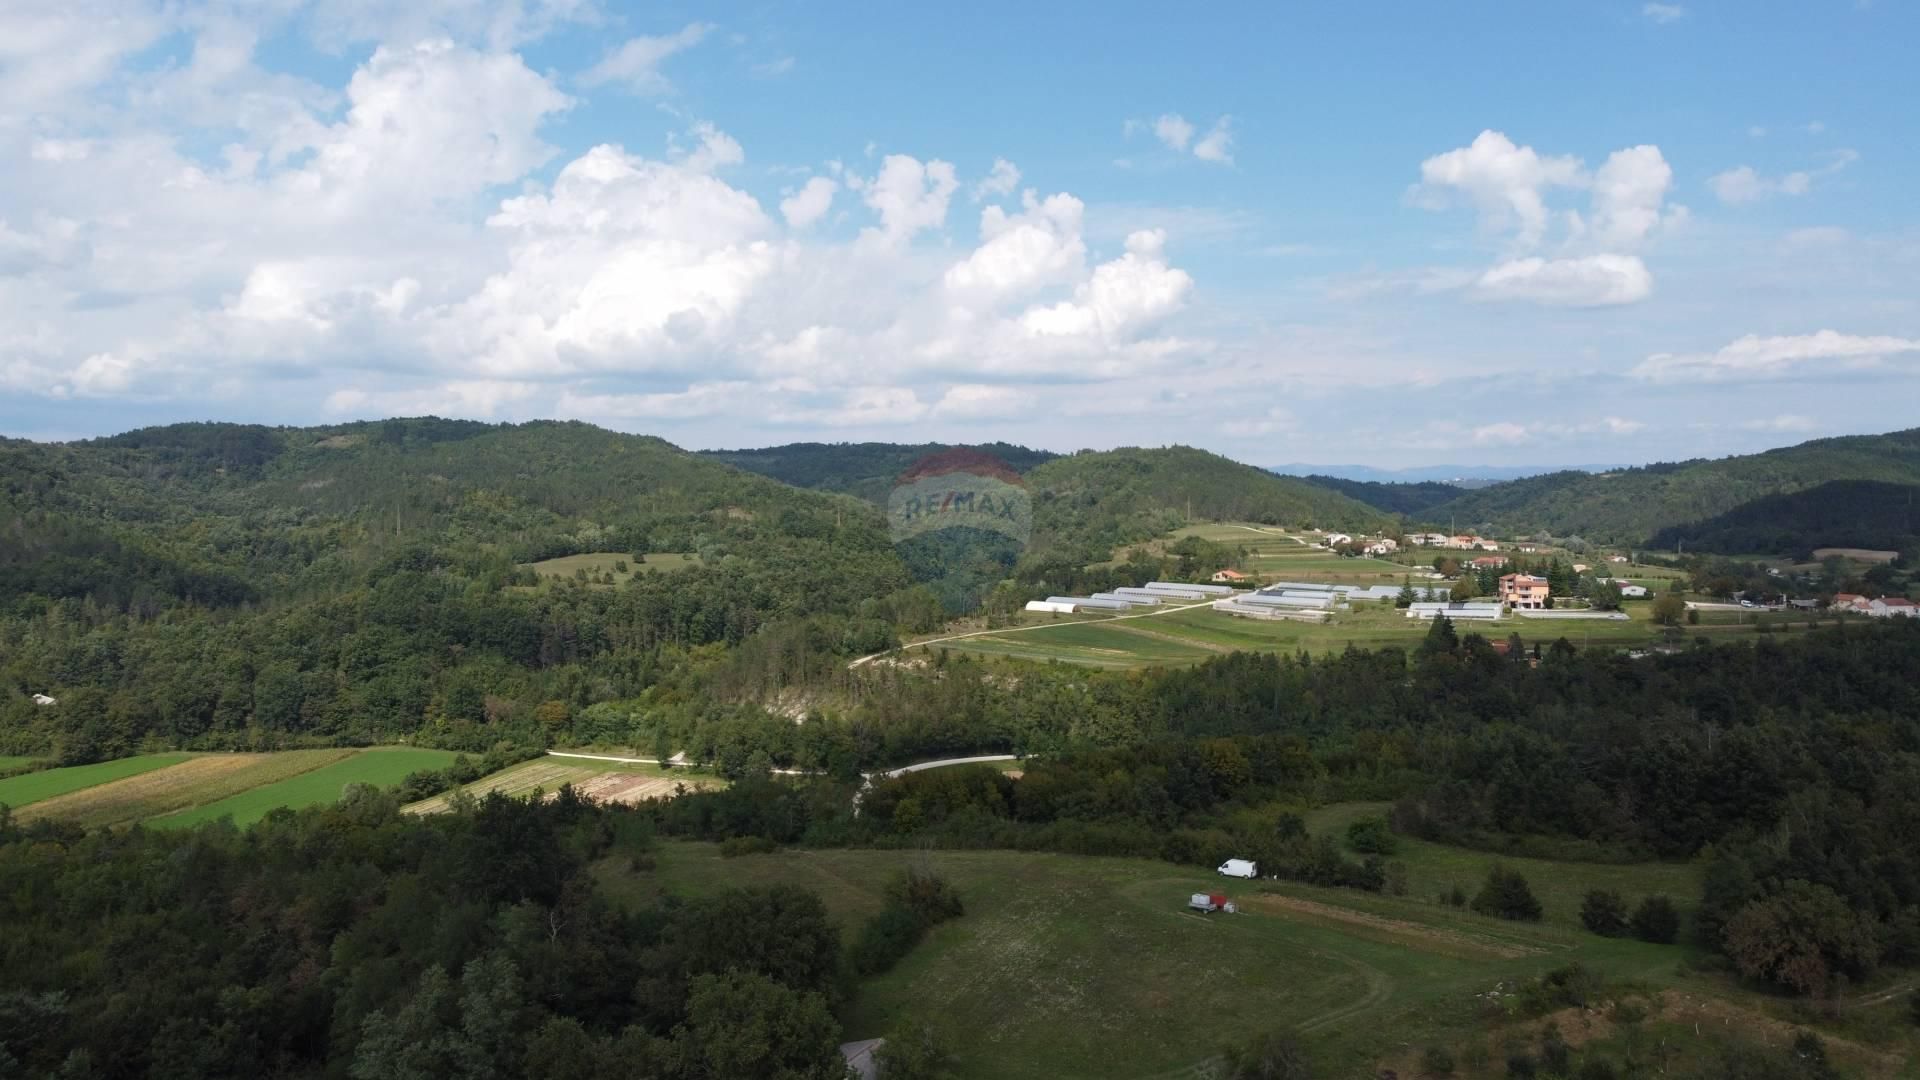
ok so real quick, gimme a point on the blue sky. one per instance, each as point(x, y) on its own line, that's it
point(1390, 234)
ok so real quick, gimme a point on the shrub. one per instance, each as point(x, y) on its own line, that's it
point(1507, 895)
point(915, 1052)
point(1371, 836)
point(886, 938)
point(1522, 1065)
point(747, 845)
point(1598, 1069)
point(1437, 1061)
point(1269, 1057)
point(1604, 913)
point(1555, 1055)
point(1656, 920)
point(1913, 1009)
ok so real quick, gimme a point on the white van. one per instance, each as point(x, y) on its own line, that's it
point(1239, 868)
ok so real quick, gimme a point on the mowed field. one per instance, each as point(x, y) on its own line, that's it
point(1193, 634)
point(602, 781)
point(36, 787)
point(1080, 966)
point(600, 563)
point(381, 767)
point(181, 789)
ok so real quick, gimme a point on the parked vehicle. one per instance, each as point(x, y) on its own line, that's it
point(1241, 868)
point(1211, 902)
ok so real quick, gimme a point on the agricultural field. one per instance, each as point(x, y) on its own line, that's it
point(606, 781)
point(620, 565)
point(197, 781)
point(1080, 966)
point(36, 787)
point(382, 768)
point(8, 761)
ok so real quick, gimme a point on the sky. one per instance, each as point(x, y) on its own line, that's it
point(1389, 234)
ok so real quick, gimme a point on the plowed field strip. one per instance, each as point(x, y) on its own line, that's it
point(191, 783)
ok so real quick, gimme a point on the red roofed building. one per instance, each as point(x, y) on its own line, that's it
point(1523, 590)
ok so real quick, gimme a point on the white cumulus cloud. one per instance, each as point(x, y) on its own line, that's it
point(810, 203)
point(1754, 357)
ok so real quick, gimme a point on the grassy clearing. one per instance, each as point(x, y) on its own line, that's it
point(197, 781)
point(1561, 885)
point(37, 787)
point(1073, 966)
point(619, 564)
point(599, 779)
point(8, 761)
point(382, 767)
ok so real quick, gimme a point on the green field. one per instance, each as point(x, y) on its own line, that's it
point(8, 761)
point(193, 782)
point(1560, 885)
point(382, 768)
point(600, 563)
point(1077, 966)
point(36, 787)
point(1189, 635)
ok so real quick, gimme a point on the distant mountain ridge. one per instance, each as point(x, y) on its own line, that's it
point(1458, 475)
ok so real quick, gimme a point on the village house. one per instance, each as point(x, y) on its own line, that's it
point(1381, 547)
point(1335, 539)
point(1581, 568)
point(1523, 590)
point(1847, 601)
point(1898, 607)
point(1486, 545)
point(1633, 592)
point(1493, 562)
point(1462, 542)
point(1616, 558)
point(1228, 577)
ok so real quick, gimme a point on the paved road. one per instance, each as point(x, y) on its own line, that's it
point(979, 760)
point(1163, 610)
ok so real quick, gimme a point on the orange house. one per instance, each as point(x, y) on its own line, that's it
point(1523, 591)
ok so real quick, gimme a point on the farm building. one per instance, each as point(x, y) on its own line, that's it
point(1229, 577)
point(1293, 600)
point(1454, 611)
point(43, 699)
point(1238, 606)
point(1633, 592)
point(1159, 595)
point(1048, 605)
point(1490, 562)
point(1332, 539)
point(1088, 603)
point(1217, 590)
point(1122, 599)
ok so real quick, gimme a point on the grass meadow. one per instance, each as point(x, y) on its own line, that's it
point(382, 767)
point(1080, 966)
point(546, 775)
point(36, 787)
point(601, 563)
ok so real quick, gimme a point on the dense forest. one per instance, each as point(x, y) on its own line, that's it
point(360, 943)
point(1407, 498)
point(864, 470)
point(1629, 506)
point(1840, 513)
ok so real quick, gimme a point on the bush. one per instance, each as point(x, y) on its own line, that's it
point(1556, 1057)
point(885, 939)
point(1913, 1009)
point(1604, 913)
point(1507, 895)
point(1522, 1066)
point(1371, 836)
point(1269, 1057)
point(915, 1052)
point(747, 845)
point(1656, 920)
point(1598, 1069)
point(1437, 1061)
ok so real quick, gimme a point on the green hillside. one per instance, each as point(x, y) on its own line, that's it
point(1842, 513)
point(1093, 501)
point(222, 586)
point(864, 470)
point(1629, 506)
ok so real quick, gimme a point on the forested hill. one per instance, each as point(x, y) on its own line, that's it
point(865, 470)
point(1629, 506)
point(1843, 513)
point(1094, 500)
point(223, 585)
point(1394, 497)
